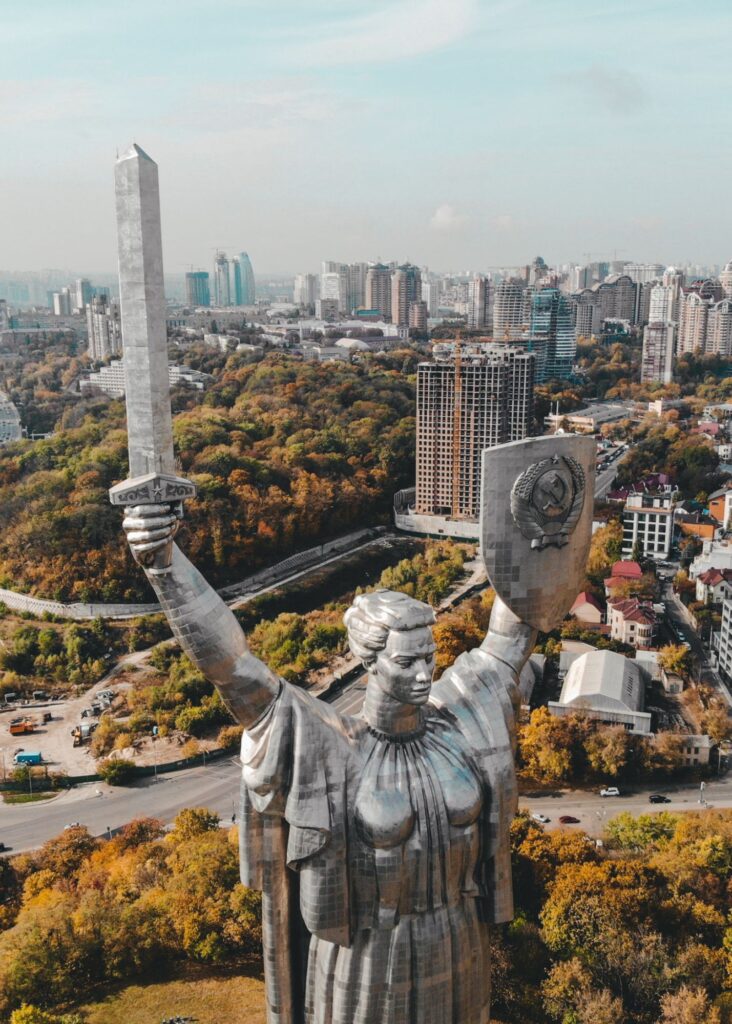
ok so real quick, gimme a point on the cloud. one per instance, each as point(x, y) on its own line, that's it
point(504, 221)
point(46, 100)
point(621, 92)
point(446, 218)
point(257, 106)
point(397, 30)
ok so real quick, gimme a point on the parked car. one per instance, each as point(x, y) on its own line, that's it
point(541, 818)
point(658, 798)
point(567, 819)
point(610, 791)
point(3, 847)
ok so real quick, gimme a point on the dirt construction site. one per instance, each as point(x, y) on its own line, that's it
point(54, 739)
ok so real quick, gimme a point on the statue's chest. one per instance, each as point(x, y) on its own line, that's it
point(414, 821)
point(409, 791)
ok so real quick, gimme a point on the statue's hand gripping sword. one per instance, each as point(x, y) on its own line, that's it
point(153, 480)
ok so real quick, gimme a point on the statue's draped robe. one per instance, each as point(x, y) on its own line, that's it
point(393, 898)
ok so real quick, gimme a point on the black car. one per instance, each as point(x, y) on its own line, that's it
point(658, 798)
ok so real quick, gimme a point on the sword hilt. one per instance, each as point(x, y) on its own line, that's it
point(154, 489)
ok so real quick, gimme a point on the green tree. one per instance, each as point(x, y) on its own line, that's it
point(642, 832)
point(116, 771)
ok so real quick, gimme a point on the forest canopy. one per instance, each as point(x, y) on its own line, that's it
point(284, 454)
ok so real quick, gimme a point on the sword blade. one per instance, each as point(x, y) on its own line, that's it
point(142, 307)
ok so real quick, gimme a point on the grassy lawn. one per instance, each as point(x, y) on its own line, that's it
point(27, 798)
point(233, 995)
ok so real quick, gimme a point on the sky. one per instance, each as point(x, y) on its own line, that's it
point(458, 134)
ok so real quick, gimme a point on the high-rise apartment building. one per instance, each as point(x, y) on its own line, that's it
point(663, 305)
point(617, 298)
point(588, 318)
point(378, 289)
point(244, 290)
point(509, 313)
point(658, 352)
point(479, 303)
point(334, 285)
point(552, 334)
point(719, 328)
point(725, 279)
point(104, 328)
point(693, 317)
point(467, 400)
point(406, 288)
point(198, 292)
point(306, 289)
point(431, 291)
point(356, 286)
point(62, 302)
point(222, 281)
point(641, 273)
point(418, 316)
point(83, 292)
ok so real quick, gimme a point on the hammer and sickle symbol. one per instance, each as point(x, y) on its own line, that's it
point(554, 489)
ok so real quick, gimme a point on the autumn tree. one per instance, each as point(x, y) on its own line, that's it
point(550, 746)
point(675, 658)
point(688, 1006)
point(610, 750)
point(605, 549)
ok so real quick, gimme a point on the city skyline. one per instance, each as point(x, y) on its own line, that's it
point(460, 134)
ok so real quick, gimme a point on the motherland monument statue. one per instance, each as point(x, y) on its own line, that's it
point(380, 843)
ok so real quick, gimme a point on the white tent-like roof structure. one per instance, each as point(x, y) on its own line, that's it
point(604, 681)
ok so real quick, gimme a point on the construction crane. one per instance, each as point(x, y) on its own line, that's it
point(614, 253)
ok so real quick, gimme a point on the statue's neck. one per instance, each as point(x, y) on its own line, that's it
point(389, 716)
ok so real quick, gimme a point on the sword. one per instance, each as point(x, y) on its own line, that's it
point(152, 480)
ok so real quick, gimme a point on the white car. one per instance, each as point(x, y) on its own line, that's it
point(610, 791)
point(541, 818)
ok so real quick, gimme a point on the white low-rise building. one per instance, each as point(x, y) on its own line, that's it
point(110, 380)
point(722, 640)
point(607, 687)
point(714, 586)
point(632, 621)
point(648, 520)
point(715, 555)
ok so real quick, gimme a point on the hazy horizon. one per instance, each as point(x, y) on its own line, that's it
point(453, 133)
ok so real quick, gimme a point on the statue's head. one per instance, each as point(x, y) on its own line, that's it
point(391, 634)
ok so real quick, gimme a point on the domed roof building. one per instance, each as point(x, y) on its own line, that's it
point(353, 344)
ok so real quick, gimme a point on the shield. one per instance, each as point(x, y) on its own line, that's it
point(536, 523)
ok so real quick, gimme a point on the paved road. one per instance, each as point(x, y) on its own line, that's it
point(594, 811)
point(26, 826)
point(676, 614)
point(217, 787)
point(604, 479)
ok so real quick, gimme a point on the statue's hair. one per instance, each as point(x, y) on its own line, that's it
point(371, 617)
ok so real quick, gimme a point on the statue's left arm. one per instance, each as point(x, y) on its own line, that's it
point(509, 640)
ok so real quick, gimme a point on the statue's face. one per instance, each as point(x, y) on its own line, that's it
point(404, 668)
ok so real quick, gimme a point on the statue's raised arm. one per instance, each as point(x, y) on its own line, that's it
point(204, 626)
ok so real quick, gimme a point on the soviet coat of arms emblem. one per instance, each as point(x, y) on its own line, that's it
point(547, 499)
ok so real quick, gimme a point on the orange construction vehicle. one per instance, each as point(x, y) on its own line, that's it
point(21, 726)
